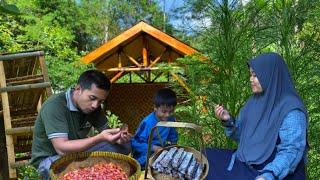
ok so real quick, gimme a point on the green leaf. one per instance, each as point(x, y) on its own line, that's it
point(10, 9)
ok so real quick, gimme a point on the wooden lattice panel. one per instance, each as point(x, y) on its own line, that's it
point(132, 102)
point(24, 86)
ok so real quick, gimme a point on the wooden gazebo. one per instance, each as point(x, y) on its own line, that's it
point(136, 51)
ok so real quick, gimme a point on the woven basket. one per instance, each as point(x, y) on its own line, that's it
point(74, 161)
point(200, 157)
point(162, 176)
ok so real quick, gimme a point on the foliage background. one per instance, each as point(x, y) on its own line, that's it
point(228, 33)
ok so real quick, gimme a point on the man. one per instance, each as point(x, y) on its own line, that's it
point(65, 120)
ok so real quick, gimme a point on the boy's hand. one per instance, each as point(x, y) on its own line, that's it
point(156, 148)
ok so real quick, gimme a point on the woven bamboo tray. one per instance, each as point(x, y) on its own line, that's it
point(74, 161)
point(200, 157)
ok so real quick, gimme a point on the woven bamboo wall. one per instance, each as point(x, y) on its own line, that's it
point(132, 102)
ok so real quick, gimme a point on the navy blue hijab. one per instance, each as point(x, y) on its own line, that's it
point(263, 113)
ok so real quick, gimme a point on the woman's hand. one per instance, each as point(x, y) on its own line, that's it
point(221, 113)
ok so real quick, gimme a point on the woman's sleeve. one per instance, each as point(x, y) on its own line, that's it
point(291, 148)
point(233, 127)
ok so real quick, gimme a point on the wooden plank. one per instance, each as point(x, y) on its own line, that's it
point(7, 122)
point(25, 87)
point(45, 74)
point(113, 43)
point(168, 40)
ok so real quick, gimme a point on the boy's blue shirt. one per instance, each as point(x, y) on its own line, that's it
point(139, 142)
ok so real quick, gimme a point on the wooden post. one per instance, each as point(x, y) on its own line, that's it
point(45, 73)
point(144, 52)
point(7, 122)
point(119, 59)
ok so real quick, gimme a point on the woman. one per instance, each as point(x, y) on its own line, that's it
point(270, 128)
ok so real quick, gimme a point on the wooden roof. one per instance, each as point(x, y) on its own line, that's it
point(141, 46)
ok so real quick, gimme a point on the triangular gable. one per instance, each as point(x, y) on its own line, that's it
point(133, 32)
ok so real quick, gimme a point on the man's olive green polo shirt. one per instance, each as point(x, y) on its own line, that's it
point(59, 117)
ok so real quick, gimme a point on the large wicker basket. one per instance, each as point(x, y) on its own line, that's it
point(200, 157)
point(74, 161)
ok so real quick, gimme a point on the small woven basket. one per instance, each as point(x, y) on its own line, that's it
point(200, 157)
point(74, 161)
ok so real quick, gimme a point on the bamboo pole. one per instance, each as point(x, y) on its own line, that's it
point(132, 59)
point(45, 74)
point(20, 55)
point(25, 87)
point(29, 81)
point(157, 58)
point(116, 77)
point(144, 52)
point(19, 164)
point(7, 122)
point(20, 130)
point(123, 69)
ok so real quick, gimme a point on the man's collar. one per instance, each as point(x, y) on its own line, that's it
point(70, 104)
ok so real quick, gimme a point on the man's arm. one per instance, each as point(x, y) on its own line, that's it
point(63, 145)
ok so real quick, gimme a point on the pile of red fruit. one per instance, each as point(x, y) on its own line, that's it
point(100, 171)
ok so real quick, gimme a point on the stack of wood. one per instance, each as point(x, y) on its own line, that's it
point(178, 163)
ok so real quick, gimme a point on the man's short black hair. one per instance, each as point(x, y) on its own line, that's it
point(165, 96)
point(95, 77)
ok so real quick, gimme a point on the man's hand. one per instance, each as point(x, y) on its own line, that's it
point(110, 135)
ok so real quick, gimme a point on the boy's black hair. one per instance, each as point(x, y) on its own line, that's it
point(95, 77)
point(165, 96)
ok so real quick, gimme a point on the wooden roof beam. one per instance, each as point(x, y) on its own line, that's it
point(129, 69)
point(157, 58)
point(131, 59)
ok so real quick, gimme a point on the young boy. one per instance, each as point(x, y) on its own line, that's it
point(164, 103)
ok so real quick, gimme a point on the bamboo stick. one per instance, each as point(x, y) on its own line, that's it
point(25, 87)
point(22, 78)
point(45, 74)
point(29, 81)
point(7, 122)
point(20, 55)
point(19, 130)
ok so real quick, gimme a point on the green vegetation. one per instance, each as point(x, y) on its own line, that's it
point(227, 33)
